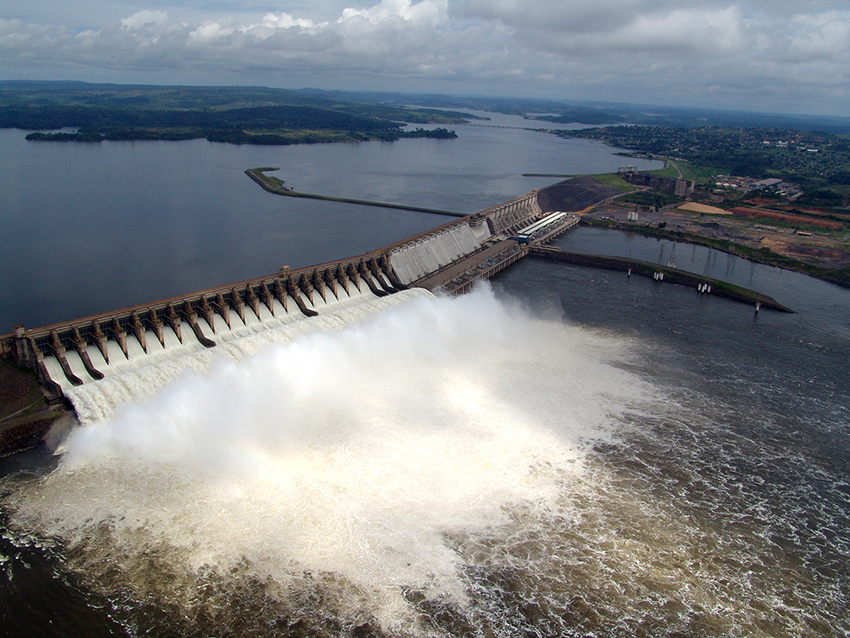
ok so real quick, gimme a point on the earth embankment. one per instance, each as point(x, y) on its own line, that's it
point(575, 195)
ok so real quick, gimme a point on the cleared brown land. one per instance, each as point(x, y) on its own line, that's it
point(758, 213)
point(793, 208)
point(694, 207)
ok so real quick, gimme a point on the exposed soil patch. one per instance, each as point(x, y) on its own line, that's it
point(15, 385)
point(786, 217)
point(815, 254)
point(25, 435)
point(821, 250)
point(792, 208)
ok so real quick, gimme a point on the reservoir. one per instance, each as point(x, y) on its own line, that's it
point(93, 227)
point(567, 451)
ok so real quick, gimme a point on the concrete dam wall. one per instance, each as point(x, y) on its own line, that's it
point(97, 347)
point(159, 334)
point(421, 257)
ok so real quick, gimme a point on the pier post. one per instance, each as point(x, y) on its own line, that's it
point(386, 266)
point(222, 308)
point(156, 325)
point(330, 281)
point(364, 275)
point(59, 353)
point(192, 320)
point(378, 276)
point(306, 288)
point(317, 283)
point(252, 300)
point(100, 339)
point(52, 390)
point(296, 297)
point(119, 335)
point(207, 312)
point(173, 320)
point(280, 292)
point(237, 304)
point(138, 330)
point(342, 278)
point(80, 347)
point(353, 275)
point(266, 297)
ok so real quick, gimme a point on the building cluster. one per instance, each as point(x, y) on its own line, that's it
point(774, 186)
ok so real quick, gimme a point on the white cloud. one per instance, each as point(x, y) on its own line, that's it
point(775, 54)
point(286, 21)
point(700, 30)
point(208, 32)
point(144, 20)
point(821, 36)
point(428, 12)
point(31, 40)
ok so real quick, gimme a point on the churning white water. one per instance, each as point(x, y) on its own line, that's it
point(423, 470)
point(356, 457)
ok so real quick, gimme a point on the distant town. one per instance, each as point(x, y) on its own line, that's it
point(812, 167)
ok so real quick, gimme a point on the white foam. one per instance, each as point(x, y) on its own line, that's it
point(353, 444)
point(143, 375)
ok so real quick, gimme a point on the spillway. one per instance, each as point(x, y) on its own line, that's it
point(170, 333)
point(177, 342)
point(144, 374)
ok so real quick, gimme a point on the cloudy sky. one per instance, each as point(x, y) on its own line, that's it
point(761, 55)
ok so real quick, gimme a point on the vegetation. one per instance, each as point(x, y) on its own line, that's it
point(24, 413)
point(610, 179)
point(596, 114)
point(19, 393)
point(818, 162)
point(232, 115)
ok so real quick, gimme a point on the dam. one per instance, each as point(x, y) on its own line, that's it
point(449, 258)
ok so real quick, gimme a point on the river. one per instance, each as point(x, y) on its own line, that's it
point(567, 452)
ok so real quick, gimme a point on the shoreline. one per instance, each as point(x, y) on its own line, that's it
point(759, 256)
point(719, 288)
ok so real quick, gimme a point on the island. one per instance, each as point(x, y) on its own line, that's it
point(79, 112)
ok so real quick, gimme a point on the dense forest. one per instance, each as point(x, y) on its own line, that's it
point(92, 113)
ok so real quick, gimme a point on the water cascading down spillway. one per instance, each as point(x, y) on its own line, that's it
point(141, 349)
point(174, 333)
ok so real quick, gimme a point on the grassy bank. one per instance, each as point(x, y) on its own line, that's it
point(612, 179)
